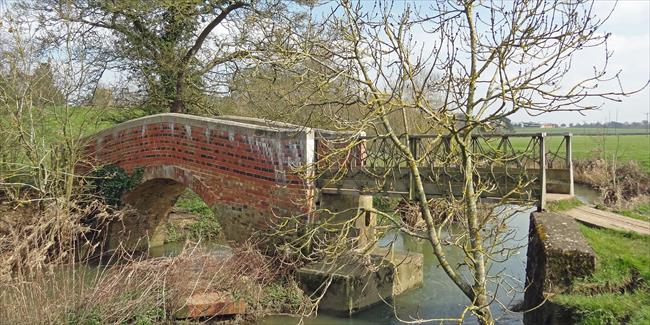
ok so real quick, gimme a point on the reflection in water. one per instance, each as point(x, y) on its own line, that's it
point(175, 248)
point(586, 194)
point(439, 297)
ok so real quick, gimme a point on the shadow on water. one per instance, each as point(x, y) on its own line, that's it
point(439, 297)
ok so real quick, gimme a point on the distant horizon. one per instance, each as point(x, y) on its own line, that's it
point(533, 120)
point(629, 43)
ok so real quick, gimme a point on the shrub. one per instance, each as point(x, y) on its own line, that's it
point(111, 182)
point(617, 183)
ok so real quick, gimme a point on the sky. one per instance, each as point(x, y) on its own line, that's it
point(630, 44)
point(629, 25)
point(629, 41)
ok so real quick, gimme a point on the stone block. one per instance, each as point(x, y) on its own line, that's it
point(557, 254)
point(362, 281)
point(211, 304)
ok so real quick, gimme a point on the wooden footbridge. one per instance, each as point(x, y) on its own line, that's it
point(510, 167)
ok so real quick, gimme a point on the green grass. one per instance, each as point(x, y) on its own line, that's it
point(620, 256)
point(53, 123)
point(563, 205)
point(207, 227)
point(624, 147)
point(55, 126)
point(640, 212)
point(609, 308)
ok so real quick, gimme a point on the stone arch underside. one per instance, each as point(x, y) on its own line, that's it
point(244, 172)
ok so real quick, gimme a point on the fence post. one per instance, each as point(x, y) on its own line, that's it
point(569, 161)
point(413, 146)
point(542, 172)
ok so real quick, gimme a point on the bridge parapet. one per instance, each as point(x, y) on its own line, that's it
point(515, 167)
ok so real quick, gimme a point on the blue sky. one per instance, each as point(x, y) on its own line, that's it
point(629, 25)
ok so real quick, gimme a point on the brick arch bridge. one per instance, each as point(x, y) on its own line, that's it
point(241, 167)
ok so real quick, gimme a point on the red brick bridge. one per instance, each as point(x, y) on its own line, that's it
point(242, 168)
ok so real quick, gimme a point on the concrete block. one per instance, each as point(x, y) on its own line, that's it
point(557, 254)
point(362, 281)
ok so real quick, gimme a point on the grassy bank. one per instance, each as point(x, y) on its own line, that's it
point(206, 225)
point(619, 291)
point(563, 205)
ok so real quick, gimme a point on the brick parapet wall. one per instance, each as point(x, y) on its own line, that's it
point(240, 165)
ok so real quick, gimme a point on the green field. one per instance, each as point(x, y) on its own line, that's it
point(622, 147)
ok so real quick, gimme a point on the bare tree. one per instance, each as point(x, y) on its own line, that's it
point(486, 60)
point(41, 141)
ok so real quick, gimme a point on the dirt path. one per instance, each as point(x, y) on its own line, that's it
point(606, 219)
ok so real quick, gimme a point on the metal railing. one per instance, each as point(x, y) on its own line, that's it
point(516, 171)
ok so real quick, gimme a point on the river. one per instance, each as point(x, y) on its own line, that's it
point(438, 297)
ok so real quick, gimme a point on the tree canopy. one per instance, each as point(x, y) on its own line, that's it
point(175, 51)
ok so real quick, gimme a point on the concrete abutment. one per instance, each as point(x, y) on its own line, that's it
point(558, 254)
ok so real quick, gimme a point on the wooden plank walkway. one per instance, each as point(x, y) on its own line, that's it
point(606, 219)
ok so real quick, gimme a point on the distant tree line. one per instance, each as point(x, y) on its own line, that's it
point(598, 125)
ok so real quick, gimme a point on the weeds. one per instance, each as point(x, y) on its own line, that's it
point(618, 184)
point(147, 291)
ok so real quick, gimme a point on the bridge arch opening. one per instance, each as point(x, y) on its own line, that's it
point(153, 199)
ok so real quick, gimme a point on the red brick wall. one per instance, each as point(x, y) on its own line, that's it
point(245, 167)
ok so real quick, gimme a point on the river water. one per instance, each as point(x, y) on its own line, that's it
point(586, 194)
point(438, 297)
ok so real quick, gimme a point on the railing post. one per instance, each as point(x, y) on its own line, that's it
point(413, 146)
point(542, 172)
point(311, 160)
point(569, 161)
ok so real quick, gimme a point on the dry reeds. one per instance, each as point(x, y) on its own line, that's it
point(619, 183)
point(143, 290)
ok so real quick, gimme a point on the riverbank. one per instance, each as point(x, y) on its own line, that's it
point(239, 284)
point(619, 290)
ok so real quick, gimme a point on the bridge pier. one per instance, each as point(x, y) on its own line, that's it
point(352, 206)
point(369, 275)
